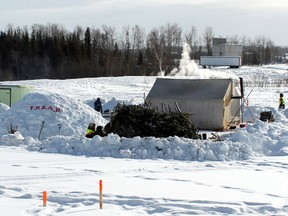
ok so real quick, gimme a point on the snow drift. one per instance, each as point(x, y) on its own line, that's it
point(59, 114)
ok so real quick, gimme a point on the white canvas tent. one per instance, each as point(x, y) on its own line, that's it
point(213, 104)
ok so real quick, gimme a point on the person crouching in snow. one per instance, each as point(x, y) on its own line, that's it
point(90, 132)
point(99, 131)
point(281, 102)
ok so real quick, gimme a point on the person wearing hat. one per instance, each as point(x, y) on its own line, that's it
point(90, 132)
point(98, 105)
point(281, 101)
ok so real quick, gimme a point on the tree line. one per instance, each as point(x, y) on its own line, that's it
point(52, 52)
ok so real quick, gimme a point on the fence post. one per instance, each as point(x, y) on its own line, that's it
point(44, 198)
point(100, 194)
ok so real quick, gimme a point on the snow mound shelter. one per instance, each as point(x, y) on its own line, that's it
point(213, 104)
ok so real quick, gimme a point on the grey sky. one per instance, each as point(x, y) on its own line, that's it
point(226, 17)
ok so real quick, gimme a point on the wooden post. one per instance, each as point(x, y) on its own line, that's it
point(100, 194)
point(44, 198)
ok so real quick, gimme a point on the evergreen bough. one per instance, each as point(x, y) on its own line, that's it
point(139, 120)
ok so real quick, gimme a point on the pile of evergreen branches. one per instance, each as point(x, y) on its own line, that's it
point(137, 120)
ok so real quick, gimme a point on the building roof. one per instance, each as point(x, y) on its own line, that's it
point(196, 89)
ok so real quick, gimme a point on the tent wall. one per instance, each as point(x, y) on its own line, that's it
point(232, 111)
point(203, 114)
point(209, 102)
point(232, 114)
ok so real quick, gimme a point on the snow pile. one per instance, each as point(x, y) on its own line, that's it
point(14, 139)
point(256, 139)
point(57, 113)
point(144, 148)
point(3, 107)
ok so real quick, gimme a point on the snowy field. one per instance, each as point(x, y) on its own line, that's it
point(244, 174)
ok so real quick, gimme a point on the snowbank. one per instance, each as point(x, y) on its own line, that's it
point(3, 107)
point(57, 113)
point(256, 139)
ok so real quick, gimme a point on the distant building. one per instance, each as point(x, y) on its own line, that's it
point(221, 48)
point(223, 54)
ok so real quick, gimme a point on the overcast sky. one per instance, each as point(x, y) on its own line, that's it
point(226, 17)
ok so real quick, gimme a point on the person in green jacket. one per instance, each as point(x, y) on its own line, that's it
point(90, 132)
point(281, 101)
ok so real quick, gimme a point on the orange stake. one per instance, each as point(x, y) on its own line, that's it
point(44, 198)
point(100, 194)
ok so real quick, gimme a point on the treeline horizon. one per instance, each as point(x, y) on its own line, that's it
point(52, 52)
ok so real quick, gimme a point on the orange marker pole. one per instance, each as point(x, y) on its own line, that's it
point(44, 198)
point(100, 194)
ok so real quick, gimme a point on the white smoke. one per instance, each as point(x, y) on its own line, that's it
point(188, 67)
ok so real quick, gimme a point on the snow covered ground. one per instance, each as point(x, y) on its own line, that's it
point(244, 174)
point(256, 186)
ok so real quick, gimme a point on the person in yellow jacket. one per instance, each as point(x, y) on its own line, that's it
point(90, 132)
point(281, 101)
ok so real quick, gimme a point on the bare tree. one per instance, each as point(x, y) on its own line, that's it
point(127, 60)
point(173, 34)
point(270, 51)
point(191, 39)
point(96, 37)
point(247, 54)
point(208, 39)
point(108, 43)
point(55, 30)
point(156, 44)
point(137, 39)
point(234, 39)
point(79, 32)
point(259, 48)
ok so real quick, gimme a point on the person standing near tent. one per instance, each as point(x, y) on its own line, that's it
point(281, 101)
point(98, 105)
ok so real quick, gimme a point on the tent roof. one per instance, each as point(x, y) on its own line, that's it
point(189, 88)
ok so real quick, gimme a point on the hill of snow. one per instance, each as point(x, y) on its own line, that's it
point(60, 114)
